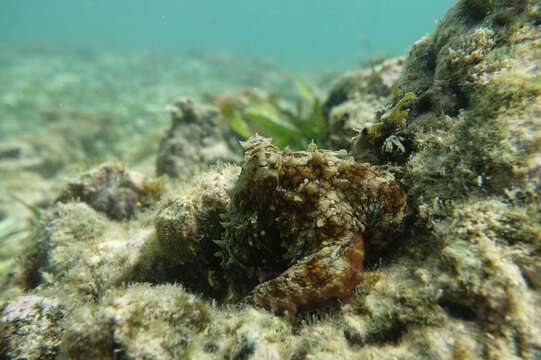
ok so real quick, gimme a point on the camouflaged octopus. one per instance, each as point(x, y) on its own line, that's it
point(299, 221)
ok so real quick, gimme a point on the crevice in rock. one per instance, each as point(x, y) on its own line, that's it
point(475, 10)
point(457, 310)
point(391, 335)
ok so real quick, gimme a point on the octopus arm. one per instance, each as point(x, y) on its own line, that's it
point(330, 273)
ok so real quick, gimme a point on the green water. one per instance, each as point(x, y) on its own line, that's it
point(296, 34)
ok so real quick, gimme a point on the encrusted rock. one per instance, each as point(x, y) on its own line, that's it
point(30, 328)
point(196, 138)
point(186, 233)
point(166, 323)
point(114, 190)
point(355, 98)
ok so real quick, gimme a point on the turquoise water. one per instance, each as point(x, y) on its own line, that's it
point(295, 34)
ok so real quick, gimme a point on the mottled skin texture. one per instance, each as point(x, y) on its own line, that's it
point(298, 223)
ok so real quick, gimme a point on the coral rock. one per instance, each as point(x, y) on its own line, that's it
point(185, 233)
point(113, 190)
point(355, 97)
point(195, 138)
point(30, 328)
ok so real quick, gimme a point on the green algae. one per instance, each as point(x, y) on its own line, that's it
point(271, 116)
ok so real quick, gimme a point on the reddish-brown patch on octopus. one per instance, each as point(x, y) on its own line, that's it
point(316, 289)
point(356, 258)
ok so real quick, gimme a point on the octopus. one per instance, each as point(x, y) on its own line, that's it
point(300, 223)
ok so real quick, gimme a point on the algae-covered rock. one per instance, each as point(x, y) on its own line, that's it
point(187, 231)
point(114, 190)
point(356, 97)
point(196, 139)
point(79, 253)
point(166, 322)
point(471, 136)
point(137, 324)
point(30, 328)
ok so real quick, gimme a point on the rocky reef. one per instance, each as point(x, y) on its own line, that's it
point(355, 97)
point(113, 190)
point(196, 139)
point(420, 238)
